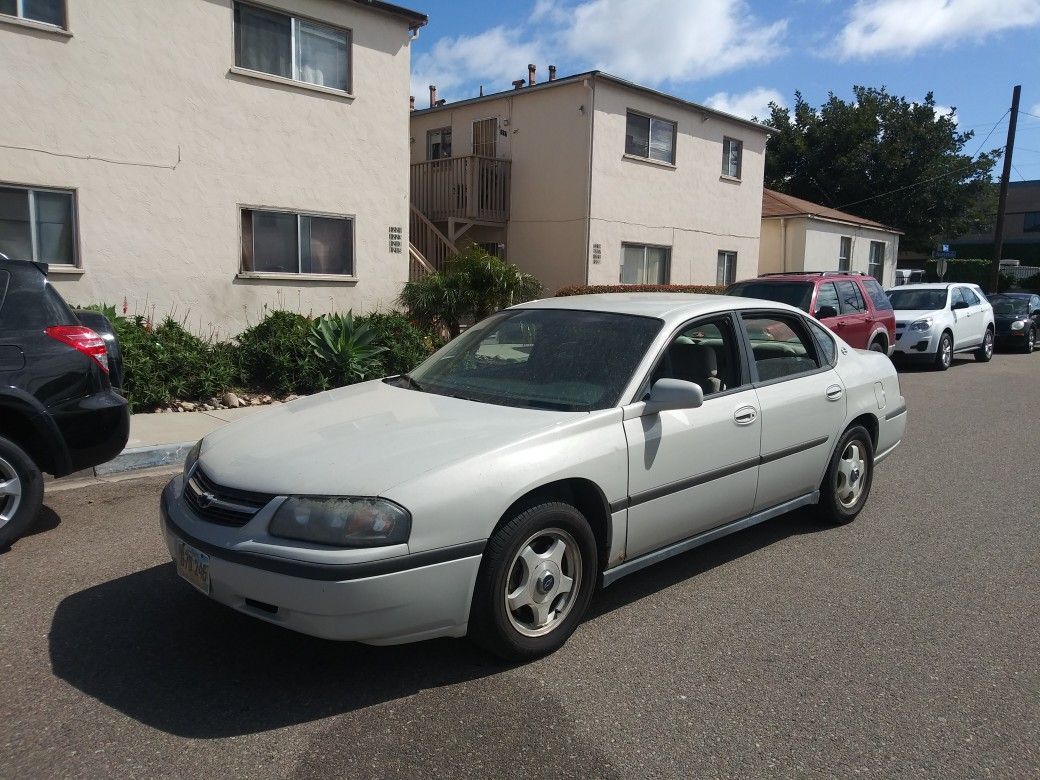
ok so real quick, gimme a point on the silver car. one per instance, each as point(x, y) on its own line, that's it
point(552, 448)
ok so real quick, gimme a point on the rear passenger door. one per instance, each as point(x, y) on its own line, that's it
point(801, 401)
point(854, 324)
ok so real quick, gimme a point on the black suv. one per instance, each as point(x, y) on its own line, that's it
point(59, 412)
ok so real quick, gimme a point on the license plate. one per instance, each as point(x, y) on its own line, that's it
point(193, 566)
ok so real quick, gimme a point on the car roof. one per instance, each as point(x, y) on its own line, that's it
point(928, 286)
point(665, 306)
point(807, 276)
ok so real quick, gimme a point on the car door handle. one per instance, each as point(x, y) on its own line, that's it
point(745, 415)
point(834, 393)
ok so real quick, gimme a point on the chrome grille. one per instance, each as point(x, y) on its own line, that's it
point(219, 504)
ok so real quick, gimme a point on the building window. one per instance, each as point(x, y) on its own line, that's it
point(732, 157)
point(726, 271)
point(297, 49)
point(642, 264)
point(438, 143)
point(285, 242)
point(845, 254)
point(650, 137)
point(46, 11)
point(1031, 222)
point(876, 267)
point(38, 224)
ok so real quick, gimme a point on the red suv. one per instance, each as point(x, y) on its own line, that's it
point(851, 303)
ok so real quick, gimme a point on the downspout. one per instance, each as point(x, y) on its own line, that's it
point(783, 244)
point(588, 201)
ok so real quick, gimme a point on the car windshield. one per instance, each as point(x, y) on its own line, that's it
point(575, 361)
point(1010, 307)
point(917, 300)
point(792, 293)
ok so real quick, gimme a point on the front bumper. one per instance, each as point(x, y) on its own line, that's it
point(916, 345)
point(402, 605)
point(1011, 338)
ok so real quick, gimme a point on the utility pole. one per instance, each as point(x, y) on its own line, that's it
point(998, 238)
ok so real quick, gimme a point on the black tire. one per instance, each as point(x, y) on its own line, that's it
point(491, 624)
point(1030, 342)
point(832, 508)
point(16, 465)
point(984, 354)
point(944, 354)
point(877, 346)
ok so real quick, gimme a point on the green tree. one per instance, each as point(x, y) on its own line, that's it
point(472, 285)
point(885, 158)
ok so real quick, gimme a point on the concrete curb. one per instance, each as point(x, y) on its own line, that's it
point(149, 457)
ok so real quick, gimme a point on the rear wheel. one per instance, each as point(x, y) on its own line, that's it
point(21, 492)
point(535, 582)
point(944, 355)
point(849, 476)
point(877, 346)
point(985, 353)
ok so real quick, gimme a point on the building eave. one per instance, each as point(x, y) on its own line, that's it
point(852, 223)
point(415, 19)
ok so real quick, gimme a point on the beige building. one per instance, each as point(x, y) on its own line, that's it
point(589, 179)
point(208, 158)
point(798, 235)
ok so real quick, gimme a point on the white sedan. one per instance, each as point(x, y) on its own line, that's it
point(554, 447)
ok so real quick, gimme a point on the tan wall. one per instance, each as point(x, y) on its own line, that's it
point(547, 140)
point(822, 246)
point(688, 207)
point(145, 81)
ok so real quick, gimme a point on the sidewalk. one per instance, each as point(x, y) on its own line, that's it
point(158, 440)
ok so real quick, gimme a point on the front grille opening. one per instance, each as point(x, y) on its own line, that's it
point(218, 504)
point(263, 606)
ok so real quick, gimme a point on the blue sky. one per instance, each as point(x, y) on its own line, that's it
point(738, 55)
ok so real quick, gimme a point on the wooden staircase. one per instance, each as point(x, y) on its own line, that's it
point(428, 247)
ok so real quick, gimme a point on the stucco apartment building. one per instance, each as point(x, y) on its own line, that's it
point(208, 157)
point(589, 179)
point(799, 235)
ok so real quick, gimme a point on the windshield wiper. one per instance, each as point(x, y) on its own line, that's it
point(412, 383)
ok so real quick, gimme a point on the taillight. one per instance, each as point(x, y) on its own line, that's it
point(83, 339)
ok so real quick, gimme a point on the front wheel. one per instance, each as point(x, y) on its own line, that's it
point(849, 476)
point(535, 582)
point(21, 492)
point(985, 353)
point(944, 355)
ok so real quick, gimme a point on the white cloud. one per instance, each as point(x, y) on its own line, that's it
point(907, 26)
point(941, 110)
point(1035, 110)
point(654, 41)
point(753, 103)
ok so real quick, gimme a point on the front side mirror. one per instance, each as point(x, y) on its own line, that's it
point(959, 305)
point(673, 394)
point(825, 312)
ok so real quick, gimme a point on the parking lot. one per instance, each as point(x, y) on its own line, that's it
point(905, 644)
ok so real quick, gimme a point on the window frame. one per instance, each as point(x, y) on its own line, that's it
point(882, 245)
point(726, 141)
point(19, 17)
point(298, 274)
point(667, 264)
point(34, 239)
point(844, 259)
point(803, 323)
point(651, 118)
point(429, 142)
point(724, 256)
point(294, 19)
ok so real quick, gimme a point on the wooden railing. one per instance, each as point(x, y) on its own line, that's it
point(470, 187)
point(432, 246)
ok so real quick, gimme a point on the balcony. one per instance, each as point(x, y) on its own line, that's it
point(472, 188)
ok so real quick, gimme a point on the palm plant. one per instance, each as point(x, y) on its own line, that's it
point(348, 346)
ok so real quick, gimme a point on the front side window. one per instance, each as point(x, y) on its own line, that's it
point(851, 299)
point(704, 353)
point(877, 295)
point(956, 296)
point(565, 360)
point(285, 242)
point(643, 264)
point(650, 137)
point(970, 297)
point(827, 301)
point(726, 270)
point(732, 157)
point(781, 346)
point(297, 49)
point(438, 143)
point(876, 266)
point(46, 11)
point(845, 253)
point(37, 224)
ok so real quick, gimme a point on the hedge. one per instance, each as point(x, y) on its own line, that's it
point(971, 271)
point(593, 289)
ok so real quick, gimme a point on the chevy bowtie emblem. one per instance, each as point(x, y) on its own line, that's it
point(205, 499)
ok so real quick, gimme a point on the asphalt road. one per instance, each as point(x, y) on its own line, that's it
point(904, 645)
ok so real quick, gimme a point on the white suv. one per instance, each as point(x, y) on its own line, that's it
point(935, 320)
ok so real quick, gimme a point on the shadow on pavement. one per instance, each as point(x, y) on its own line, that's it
point(150, 647)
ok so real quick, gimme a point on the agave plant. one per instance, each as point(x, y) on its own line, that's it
point(348, 346)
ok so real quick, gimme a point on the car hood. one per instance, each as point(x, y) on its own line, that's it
point(911, 315)
point(362, 440)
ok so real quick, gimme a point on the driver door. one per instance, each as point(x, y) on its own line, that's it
point(693, 469)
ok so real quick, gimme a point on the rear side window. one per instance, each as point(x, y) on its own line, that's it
point(828, 349)
point(780, 345)
point(877, 295)
point(30, 306)
point(851, 299)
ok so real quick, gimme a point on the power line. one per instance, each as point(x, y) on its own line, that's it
point(1035, 116)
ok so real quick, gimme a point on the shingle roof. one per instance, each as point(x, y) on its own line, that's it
point(777, 204)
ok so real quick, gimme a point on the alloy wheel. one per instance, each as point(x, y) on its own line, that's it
point(947, 351)
point(543, 582)
point(851, 475)
point(987, 344)
point(1031, 342)
point(10, 492)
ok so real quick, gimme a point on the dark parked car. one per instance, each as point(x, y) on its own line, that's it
point(59, 412)
point(1017, 319)
point(850, 303)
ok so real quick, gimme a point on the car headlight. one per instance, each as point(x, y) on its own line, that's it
point(922, 325)
point(341, 521)
point(1018, 325)
point(192, 457)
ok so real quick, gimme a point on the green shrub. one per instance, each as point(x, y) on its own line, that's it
point(276, 356)
point(593, 289)
point(970, 271)
point(348, 347)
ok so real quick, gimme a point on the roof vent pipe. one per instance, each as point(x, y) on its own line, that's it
point(518, 84)
point(552, 73)
point(433, 95)
point(532, 79)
